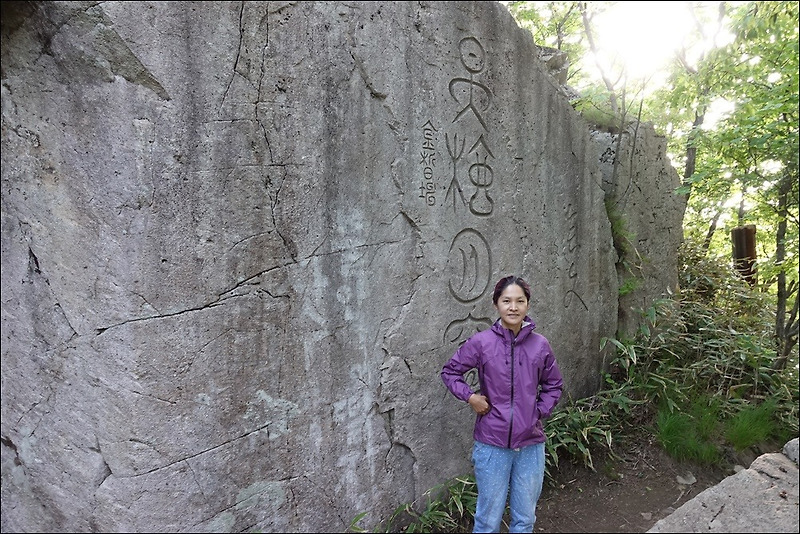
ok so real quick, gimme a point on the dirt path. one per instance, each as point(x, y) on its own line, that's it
point(629, 495)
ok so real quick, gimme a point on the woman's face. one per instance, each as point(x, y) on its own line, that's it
point(512, 307)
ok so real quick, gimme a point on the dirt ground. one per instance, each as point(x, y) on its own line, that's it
point(627, 495)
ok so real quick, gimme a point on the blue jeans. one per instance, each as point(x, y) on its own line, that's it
point(498, 470)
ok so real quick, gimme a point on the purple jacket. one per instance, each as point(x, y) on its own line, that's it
point(520, 378)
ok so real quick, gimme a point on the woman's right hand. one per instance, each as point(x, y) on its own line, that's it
point(479, 403)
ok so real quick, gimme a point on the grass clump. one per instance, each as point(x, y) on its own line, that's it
point(753, 424)
point(449, 507)
point(681, 437)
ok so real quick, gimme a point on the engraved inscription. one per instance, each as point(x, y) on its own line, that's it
point(469, 262)
point(572, 246)
point(470, 257)
point(461, 329)
point(428, 162)
point(481, 175)
point(474, 99)
point(455, 154)
point(478, 96)
point(470, 265)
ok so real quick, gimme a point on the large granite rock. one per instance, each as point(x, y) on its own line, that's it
point(240, 239)
point(761, 498)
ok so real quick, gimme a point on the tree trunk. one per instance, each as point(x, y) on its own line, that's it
point(786, 330)
point(691, 151)
point(712, 228)
point(587, 28)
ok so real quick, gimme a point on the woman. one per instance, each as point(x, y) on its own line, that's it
point(520, 384)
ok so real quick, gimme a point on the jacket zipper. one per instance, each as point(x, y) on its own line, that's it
point(511, 416)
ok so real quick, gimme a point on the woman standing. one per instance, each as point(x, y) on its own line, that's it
point(520, 384)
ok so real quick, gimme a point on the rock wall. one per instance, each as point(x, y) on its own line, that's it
point(647, 218)
point(240, 239)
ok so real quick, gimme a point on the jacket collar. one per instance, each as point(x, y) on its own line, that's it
point(527, 326)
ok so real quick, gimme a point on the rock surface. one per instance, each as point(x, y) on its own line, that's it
point(762, 498)
point(240, 239)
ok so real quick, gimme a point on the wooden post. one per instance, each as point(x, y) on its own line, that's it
point(744, 252)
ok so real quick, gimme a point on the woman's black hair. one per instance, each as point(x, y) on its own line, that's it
point(503, 283)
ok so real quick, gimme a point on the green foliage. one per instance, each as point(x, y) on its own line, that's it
point(555, 25)
point(751, 425)
point(706, 413)
point(628, 258)
point(573, 430)
point(679, 434)
point(697, 372)
point(739, 166)
point(629, 286)
point(693, 434)
point(449, 507)
point(620, 233)
point(746, 165)
point(595, 107)
point(716, 338)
